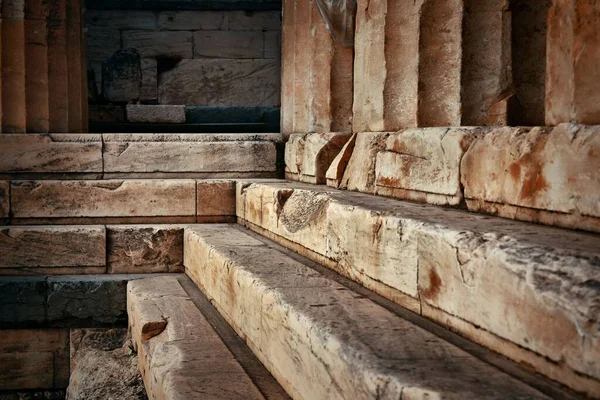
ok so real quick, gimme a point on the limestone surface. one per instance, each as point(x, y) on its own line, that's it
point(215, 198)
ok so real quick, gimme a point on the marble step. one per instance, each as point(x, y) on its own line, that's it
point(143, 155)
point(322, 340)
point(180, 354)
point(117, 201)
point(528, 292)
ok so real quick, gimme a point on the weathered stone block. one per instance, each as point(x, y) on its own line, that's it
point(122, 76)
point(106, 113)
point(221, 82)
point(59, 246)
point(34, 359)
point(228, 44)
point(159, 44)
point(111, 198)
point(423, 164)
point(22, 300)
point(153, 114)
point(144, 249)
point(4, 199)
point(187, 153)
point(554, 170)
point(308, 156)
point(192, 20)
point(360, 171)
point(50, 153)
point(149, 88)
point(257, 20)
point(336, 170)
point(216, 198)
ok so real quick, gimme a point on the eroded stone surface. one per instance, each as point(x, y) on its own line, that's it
point(545, 299)
point(51, 153)
point(60, 246)
point(111, 198)
point(153, 114)
point(553, 170)
point(122, 76)
point(336, 170)
point(144, 249)
point(360, 171)
point(216, 198)
point(322, 339)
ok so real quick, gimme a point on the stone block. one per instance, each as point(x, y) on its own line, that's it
point(106, 113)
point(53, 153)
point(59, 246)
point(272, 43)
point(308, 156)
point(228, 44)
point(149, 88)
point(4, 199)
point(187, 153)
point(152, 114)
point(111, 198)
point(134, 249)
point(22, 300)
point(121, 19)
point(423, 164)
point(192, 20)
point(257, 20)
point(221, 83)
point(360, 171)
point(163, 44)
point(122, 76)
point(215, 198)
point(34, 359)
point(521, 173)
point(335, 172)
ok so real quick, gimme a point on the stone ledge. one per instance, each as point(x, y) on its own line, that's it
point(310, 331)
point(525, 291)
point(180, 355)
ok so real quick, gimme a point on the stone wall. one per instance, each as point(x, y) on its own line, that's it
point(193, 57)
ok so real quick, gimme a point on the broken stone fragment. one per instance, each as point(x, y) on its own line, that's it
point(122, 76)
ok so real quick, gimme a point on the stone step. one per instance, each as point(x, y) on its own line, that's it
point(144, 155)
point(322, 340)
point(91, 249)
point(118, 201)
point(528, 292)
point(64, 301)
point(180, 355)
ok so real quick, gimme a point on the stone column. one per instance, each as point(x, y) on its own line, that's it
point(573, 62)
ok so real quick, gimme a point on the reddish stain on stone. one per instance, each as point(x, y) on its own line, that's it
point(534, 182)
point(389, 182)
point(435, 284)
point(515, 171)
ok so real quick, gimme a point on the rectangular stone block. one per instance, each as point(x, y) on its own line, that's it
point(60, 246)
point(257, 20)
point(34, 359)
point(110, 198)
point(228, 44)
point(221, 82)
point(187, 153)
point(134, 249)
point(527, 174)
point(215, 198)
point(54, 153)
point(192, 20)
point(272, 44)
point(121, 19)
point(163, 44)
point(152, 114)
point(22, 300)
point(149, 88)
point(4, 199)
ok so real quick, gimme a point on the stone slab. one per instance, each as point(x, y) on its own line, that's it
point(34, 359)
point(155, 114)
point(54, 153)
point(205, 82)
point(179, 353)
point(311, 331)
point(525, 291)
point(187, 153)
point(22, 300)
point(110, 198)
point(215, 198)
point(228, 44)
point(164, 44)
point(360, 170)
point(135, 249)
point(57, 246)
point(554, 170)
point(192, 20)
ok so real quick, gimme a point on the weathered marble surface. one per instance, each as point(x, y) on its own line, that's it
point(156, 114)
point(51, 153)
point(110, 198)
point(528, 289)
point(323, 340)
point(179, 353)
point(52, 246)
point(215, 198)
point(136, 249)
point(34, 359)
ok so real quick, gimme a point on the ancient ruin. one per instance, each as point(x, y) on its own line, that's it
point(306, 199)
